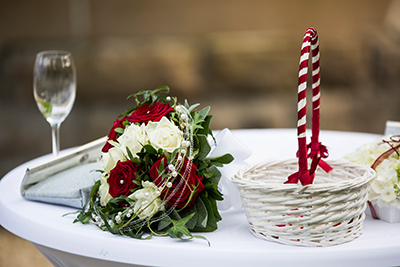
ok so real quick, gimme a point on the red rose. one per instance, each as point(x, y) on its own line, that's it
point(121, 178)
point(148, 112)
point(182, 186)
point(113, 134)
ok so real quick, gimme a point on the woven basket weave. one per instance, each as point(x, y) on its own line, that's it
point(324, 212)
point(328, 212)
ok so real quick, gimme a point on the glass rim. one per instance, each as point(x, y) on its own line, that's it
point(54, 52)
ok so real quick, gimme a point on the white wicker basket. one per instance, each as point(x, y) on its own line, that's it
point(328, 212)
point(324, 212)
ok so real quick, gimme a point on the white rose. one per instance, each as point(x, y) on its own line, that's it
point(133, 138)
point(147, 200)
point(103, 190)
point(109, 159)
point(164, 134)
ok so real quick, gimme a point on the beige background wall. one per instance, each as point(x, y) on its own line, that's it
point(240, 56)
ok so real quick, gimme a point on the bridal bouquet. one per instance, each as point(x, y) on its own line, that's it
point(156, 176)
point(382, 155)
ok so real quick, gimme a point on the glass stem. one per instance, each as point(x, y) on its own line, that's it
point(55, 138)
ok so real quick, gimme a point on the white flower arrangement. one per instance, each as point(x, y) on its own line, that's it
point(383, 156)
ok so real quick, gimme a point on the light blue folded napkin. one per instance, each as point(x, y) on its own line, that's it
point(66, 179)
point(70, 187)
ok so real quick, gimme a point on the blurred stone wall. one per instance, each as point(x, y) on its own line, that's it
point(240, 57)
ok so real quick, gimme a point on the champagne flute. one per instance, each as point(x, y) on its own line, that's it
point(54, 89)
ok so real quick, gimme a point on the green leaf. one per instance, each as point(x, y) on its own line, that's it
point(213, 173)
point(175, 215)
point(193, 221)
point(202, 213)
point(83, 217)
point(224, 159)
point(150, 149)
point(206, 126)
point(178, 230)
point(164, 223)
point(108, 226)
point(126, 112)
point(129, 232)
point(212, 190)
point(203, 113)
point(93, 192)
point(204, 146)
point(165, 220)
point(131, 157)
point(186, 104)
point(162, 88)
point(178, 227)
point(119, 130)
point(201, 237)
point(45, 107)
point(149, 95)
point(213, 215)
point(192, 107)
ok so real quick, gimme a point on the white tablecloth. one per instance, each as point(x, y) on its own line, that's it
point(68, 244)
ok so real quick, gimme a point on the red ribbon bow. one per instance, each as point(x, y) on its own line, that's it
point(317, 152)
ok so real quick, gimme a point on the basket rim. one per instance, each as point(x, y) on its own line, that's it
point(240, 180)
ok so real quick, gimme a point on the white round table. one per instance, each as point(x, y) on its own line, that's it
point(68, 244)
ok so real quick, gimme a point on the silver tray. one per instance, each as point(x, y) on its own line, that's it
point(72, 159)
